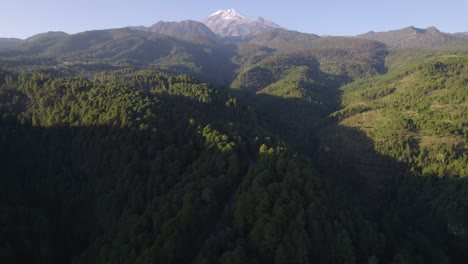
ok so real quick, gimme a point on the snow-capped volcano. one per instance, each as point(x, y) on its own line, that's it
point(231, 23)
point(227, 14)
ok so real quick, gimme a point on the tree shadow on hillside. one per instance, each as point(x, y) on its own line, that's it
point(420, 216)
point(62, 182)
point(424, 214)
point(209, 64)
point(96, 190)
point(295, 119)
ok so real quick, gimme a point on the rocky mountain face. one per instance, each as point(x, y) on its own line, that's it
point(412, 37)
point(230, 23)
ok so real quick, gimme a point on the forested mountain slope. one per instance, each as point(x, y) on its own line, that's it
point(302, 149)
point(303, 82)
point(140, 166)
point(188, 30)
point(125, 47)
point(405, 133)
point(416, 114)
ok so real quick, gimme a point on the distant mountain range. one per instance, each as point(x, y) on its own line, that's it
point(223, 43)
point(412, 37)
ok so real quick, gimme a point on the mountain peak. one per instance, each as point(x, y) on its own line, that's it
point(228, 14)
point(230, 23)
point(432, 29)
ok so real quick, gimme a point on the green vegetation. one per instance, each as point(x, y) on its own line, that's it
point(418, 116)
point(405, 133)
point(141, 166)
point(326, 150)
point(123, 48)
point(116, 153)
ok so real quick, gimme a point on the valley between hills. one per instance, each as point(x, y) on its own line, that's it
point(234, 140)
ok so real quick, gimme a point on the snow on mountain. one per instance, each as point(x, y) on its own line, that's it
point(228, 14)
point(230, 23)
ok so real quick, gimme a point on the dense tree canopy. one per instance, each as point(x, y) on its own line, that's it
point(333, 152)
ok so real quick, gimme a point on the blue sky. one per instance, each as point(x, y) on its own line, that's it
point(23, 18)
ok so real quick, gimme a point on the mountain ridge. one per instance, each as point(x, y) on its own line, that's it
point(229, 25)
point(413, 37)
point(47, 35)
point(187, 30)
point(6, 43)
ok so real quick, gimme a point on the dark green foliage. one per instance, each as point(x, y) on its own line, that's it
point(105, 163)
point(134, 167)
point(282, 214)
point(116, 153)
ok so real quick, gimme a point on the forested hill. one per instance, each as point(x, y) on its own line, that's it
point(405, 133)
point(136, 167)
point(416, 114)
point(128, 146)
